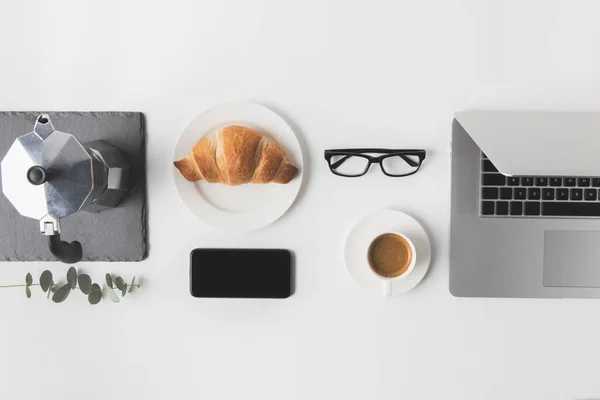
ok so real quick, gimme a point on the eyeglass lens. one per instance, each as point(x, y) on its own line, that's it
point(400, 165)
point(349, 165)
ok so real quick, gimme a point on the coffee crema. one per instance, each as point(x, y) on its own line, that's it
point(390, 255)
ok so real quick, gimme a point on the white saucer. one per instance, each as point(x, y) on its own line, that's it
point(367, 229)
point(246, 207)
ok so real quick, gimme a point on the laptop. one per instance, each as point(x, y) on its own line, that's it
point(525, 204)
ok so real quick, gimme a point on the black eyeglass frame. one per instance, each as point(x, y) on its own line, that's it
point(375, 160)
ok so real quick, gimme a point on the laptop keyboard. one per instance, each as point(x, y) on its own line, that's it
point(539, 196)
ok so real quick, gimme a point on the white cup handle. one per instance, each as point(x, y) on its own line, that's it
point(386, 288)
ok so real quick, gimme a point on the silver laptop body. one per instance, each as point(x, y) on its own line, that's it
point(525, 204)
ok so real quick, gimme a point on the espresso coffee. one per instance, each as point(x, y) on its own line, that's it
point(390, 255)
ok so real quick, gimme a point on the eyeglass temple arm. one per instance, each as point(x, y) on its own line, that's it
point(339, 162)
point(409, 161)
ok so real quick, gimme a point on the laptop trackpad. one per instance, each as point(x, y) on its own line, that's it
point(572, 258)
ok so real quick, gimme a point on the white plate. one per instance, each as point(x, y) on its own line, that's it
point(246, 207)
point(367, 229)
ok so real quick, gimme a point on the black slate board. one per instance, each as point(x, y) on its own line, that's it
point(118, 234)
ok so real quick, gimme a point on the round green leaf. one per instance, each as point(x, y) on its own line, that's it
point(109, 281)
point(62, 294)
point(132, 283)
point(95, 294)
point(27, 292)
point(124, 290)
point(119, 282)
point(113, 296)
point(72, 277)
point(85, 283)
point(28, 279)
point(45, 280)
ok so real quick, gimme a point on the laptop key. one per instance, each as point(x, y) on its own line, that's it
point(562, 194)
point(596, 182)
point(516, 208)
point(506, 193)
point(488, 166)
point(583, 182)
point(576, 194)
point(502, 208)
point(548, 194)
point(493, 180)
point(487, 208)
point(489, 193)
point(555, 182)
point(527, 181)
point(520, 194)
point(541, 181)
point(590, 194)
point(513, 181)
point(533, 194)
point(569, 181)
point(532, 208)
point(571, 209)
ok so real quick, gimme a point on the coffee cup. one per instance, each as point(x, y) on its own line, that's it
point(391, 256)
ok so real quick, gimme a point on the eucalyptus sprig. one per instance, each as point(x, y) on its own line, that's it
point(82, 282)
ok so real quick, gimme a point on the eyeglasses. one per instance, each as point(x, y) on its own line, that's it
point(356, 162)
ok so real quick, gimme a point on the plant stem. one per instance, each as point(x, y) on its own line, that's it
point(76, 287)
point(33, 284)
point(117, 290)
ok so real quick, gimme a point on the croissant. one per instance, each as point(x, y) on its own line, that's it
point(234, 156)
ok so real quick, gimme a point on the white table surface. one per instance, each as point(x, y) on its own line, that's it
point(343, 73)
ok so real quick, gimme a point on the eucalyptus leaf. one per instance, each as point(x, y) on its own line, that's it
point(132, 283)
point(28, 279)
point(124, 290)
point(72, 277)
point(119, 282)
point(109, 281)
point(85, 283)
point(95, 294)
point(27, 292)
point(113, 296)
point(62, 293)
point(45, 280)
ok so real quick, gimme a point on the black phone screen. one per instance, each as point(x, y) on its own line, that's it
point(245, 273)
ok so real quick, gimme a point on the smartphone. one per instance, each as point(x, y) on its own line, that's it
point(241, 273)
